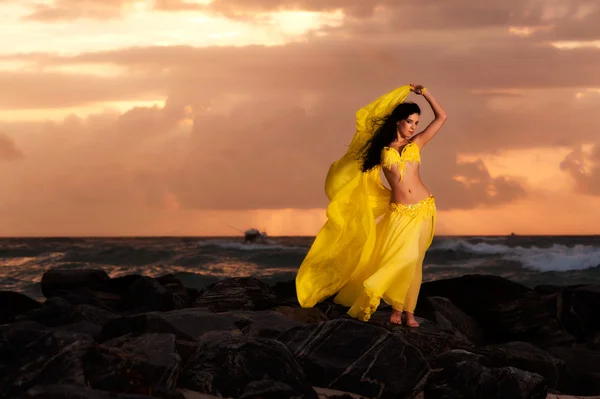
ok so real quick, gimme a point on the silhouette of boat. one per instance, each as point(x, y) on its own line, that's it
point(255, 236)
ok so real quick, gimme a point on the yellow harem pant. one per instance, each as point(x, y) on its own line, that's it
point(394, 272)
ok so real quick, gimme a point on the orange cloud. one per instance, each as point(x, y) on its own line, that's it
point(8, 149)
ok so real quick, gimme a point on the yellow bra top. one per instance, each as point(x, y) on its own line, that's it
point(390, 157)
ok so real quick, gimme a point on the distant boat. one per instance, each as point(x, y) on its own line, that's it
point(254, 236)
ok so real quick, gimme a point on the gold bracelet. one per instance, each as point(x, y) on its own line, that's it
point(423, 90)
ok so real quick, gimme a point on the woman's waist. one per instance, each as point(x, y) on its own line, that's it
point(409, 194)
point(424, 204)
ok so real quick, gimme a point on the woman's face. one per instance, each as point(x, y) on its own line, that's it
point(407, 127)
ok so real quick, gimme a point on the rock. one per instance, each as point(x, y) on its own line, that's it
point(14, 339)
point(335, 311)
point(75, 392)
point(149, 293)
point(141, 364)
point(240, 293)
point(95, 315)
point(302, 315)
point(81, 327)
point(594, 342)
point(357, 357)
point(525, 356)
point(453, 357)
point(579, 310)
point(232, 365)
point(325, 393)
point(264, 324)
point(191, 324)
point(505, 310)
point(443, 312)
point(267, 389)
point(57, 280)
point(85, 296)
point(57, 311)
point(285, 292)
point(583, 368)
point(15, 303)
point(53, 358)
point(432, 339)
point(471, 380)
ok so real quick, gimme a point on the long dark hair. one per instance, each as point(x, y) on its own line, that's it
point(385, 133)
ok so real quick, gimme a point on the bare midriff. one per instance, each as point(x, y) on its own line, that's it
point(411, 189)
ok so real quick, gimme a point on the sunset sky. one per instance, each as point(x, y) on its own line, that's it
point(182, 117)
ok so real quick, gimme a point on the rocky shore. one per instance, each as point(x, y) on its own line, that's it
point(138, 337)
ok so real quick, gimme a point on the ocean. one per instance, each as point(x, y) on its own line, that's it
point(199, 261)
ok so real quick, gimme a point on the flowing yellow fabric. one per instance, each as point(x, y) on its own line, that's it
point(347, 240)
point(394, 272)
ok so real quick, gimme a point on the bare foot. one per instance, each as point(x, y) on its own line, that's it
point(410, 320)
point(396, 317)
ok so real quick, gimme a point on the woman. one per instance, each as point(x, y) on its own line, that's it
point(361, 261)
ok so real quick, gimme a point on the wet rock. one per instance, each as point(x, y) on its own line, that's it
point(285, 292)
point(267, 389)
point(52, 358)
point(432, 339)
point(230, 365)
point(15, 303)
point(75, 392)
point(525, 356)
point(357, 357)
point(579, 310)
point(81, 327)
point(143, 364)
point(56, 280)
point(190, 324)
point(453, 357)
point(54, 312)
point(333, 310)
point(582, 367)
point(85, 296)
point(241, 293)
point(506, 311)
point(14, 339)
point(443, 312)
point(471, 380)
point(57, 311)
point(149, 293)
point(302, 315)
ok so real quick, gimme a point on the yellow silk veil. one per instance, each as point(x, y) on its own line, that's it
point(345, 242)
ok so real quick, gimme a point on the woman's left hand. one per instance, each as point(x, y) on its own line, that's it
point(417, 88)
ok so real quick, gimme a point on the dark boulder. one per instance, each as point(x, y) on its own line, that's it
point(528, 357)
point(471, 380)
point(505, 310)
point(75, 392)
point(55, 357)
point(140, 364)
point(148, 293)
point(191, 324)
point(231, 365)
point(582, 367)
point(447, 315)
point(13, 304)
point(240, 293)
point(56, 280)
point(357, 357)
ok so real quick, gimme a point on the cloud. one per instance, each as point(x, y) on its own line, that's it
point(257, 127)
point(62, 10)
point(584, 169)
point(8, 149)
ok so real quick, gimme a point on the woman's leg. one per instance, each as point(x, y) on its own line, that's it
point(412, 295)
